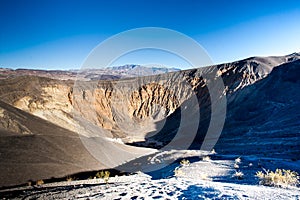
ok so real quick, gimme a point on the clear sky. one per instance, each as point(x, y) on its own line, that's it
point(59, 34)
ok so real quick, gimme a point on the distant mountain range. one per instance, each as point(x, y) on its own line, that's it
point(40, 138)
point(108, 73)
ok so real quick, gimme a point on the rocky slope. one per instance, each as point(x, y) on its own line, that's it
point(262, 110)
point(263, 118)
point(144, 100)
point(33, 149)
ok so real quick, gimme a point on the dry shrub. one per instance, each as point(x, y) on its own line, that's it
point(238, 160)
point(185, 162)
point(104, 175)
point(178, 172)
point(238, 175)
point(279, 178)
point(39, 182)
point(236, 166)
point(213, 151)
point(70, 178)
point(206, 158)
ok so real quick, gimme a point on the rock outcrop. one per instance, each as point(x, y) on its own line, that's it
point(129, 104)
point(262, 116)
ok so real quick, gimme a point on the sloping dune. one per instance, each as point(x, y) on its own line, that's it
point(47, 150)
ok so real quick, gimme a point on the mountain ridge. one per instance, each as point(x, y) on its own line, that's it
point(152, 105)
point(109, 73)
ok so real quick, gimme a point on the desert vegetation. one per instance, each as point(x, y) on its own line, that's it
point(104, 175)
point(206, 158)
point(238, 175)
point(278, 178)
point(39, 182)
point(185, 162)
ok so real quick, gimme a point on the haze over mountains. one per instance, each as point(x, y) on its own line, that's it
point(95, 73)
point(45, 116)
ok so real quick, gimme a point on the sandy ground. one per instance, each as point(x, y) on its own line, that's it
point(141, 186)
point(202, 179)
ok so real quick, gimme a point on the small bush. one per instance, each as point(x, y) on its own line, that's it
point(238, 160)
point(70, 178)
point(39, 182)
point(206, 158)
point(279, 178)
point(238, 175)
point(104, 175)
point(213, 151)
point(178, 172)
point(185, 162)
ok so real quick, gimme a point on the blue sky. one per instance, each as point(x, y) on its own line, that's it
point(59, 34)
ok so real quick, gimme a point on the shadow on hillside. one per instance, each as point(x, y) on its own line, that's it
point(176, 128)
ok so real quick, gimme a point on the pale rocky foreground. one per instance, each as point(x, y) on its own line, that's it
point(196, 181)
point(142, 187)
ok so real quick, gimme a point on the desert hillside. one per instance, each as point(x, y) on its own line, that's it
point(46, 120)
